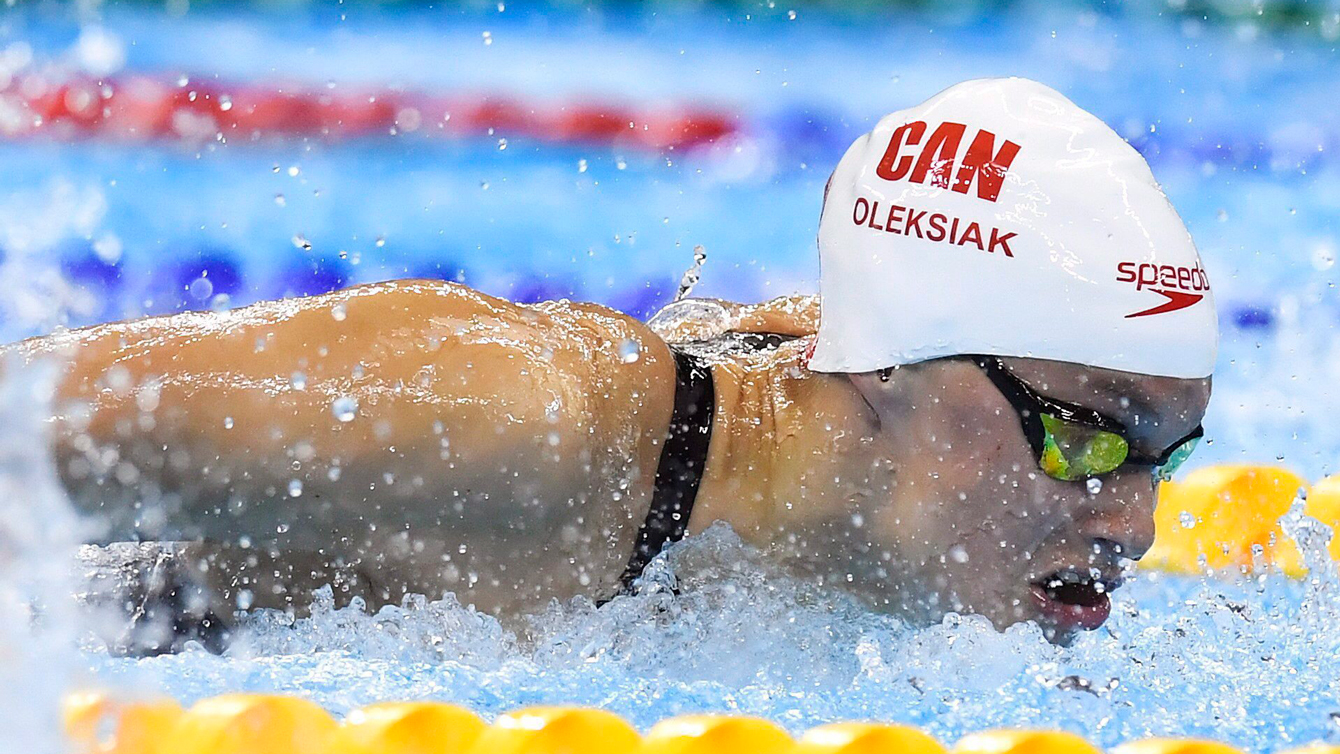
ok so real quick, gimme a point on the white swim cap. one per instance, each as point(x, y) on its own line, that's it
point(999, 218)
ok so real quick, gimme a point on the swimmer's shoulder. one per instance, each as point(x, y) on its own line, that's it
point(773, 333)
point(701, 319)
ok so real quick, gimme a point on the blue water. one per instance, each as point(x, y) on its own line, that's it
point(1236, 120)
point(1254, 663)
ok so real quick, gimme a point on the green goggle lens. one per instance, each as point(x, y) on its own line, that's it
point(1071, 452)
point(1176, 459)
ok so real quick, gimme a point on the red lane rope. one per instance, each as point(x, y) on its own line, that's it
point(140, 108)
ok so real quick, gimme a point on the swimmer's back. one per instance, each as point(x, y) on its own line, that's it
point(456, 413)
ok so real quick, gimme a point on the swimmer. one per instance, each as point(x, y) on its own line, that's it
point(1012, 347)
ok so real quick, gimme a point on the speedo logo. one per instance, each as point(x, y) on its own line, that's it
point(1180, 286)
point(982, 163)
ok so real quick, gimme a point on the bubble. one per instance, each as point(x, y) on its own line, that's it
point(345, 408)
point(630, 351)
point(488, 37)
point(227, 422)
point(300, 241)
point(295, 488)
point(1187, 520)
point(200, 288)
point(958, 554)
point(581, 166)
point(339, 312)
point(298, 381)
point(1094, 485)
point(280, 200)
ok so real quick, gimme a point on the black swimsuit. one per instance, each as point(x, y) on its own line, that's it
point(684, 457)
point(681, 467)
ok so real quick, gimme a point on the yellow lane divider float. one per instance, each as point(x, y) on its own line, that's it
point(260, 724)
point(1226, 518)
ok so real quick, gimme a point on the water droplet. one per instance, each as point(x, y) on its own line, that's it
point(630, 351)
point(1323, 257)
point(295, 488)
point(1094, 485)
point(1187, 520)
point(345, 408)
point(301, 242)
point(581, 166)
point(502, 144)
point(554, 439)
point(339, 312)
point(244, 599)
point(280, 200)
point(381, 241)
point(298, 381)
point(293, 171)
point(108, 248)
point(958, 554)
point(488, 37)
point(227, 422)
point(791, 15)
point(693, 274)
point(200, 288)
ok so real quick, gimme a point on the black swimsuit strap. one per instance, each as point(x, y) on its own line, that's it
point(681, 468)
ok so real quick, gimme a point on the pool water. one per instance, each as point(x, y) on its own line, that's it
point(1236, 120)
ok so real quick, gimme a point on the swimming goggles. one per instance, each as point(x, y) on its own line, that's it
point(1073, 442)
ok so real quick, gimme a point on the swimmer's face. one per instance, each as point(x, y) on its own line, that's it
point(974, 525)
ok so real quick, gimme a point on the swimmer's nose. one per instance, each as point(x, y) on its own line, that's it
point(1121, 521)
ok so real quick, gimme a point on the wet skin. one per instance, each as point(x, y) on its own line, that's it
point(919, 493)
point(974, 518)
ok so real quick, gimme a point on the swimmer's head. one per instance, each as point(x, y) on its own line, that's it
point(1028, 318)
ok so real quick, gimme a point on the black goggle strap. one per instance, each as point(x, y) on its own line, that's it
point(1030, 406)
point(1166, 455)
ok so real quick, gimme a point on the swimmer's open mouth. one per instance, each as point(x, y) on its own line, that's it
point(1071, 599)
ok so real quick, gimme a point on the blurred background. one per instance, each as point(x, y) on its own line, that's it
point(171, 155)
point(161, 156)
